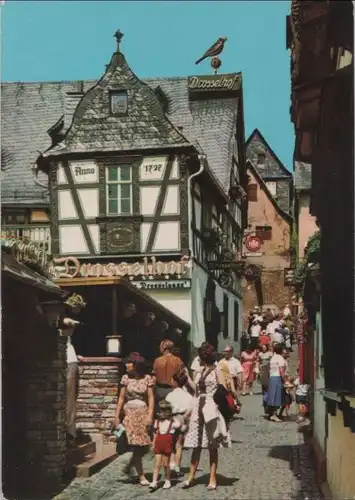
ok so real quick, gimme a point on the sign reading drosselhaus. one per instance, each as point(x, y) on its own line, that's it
point(227, 83)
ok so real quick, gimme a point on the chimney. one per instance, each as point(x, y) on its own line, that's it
point(72, 99)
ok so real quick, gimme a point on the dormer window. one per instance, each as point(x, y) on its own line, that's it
point(119, 103)
point(261, 159)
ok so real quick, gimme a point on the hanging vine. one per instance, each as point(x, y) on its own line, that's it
point(311, 256)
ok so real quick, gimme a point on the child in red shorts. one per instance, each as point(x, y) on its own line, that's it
point(165, 428)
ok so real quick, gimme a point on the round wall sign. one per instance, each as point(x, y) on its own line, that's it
point(253, 243)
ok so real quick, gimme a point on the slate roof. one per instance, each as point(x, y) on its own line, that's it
point(29, 110)
point(273, 166)
point(303, 176)
point(262, 184)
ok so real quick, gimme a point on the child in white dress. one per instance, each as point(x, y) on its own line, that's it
point(181, 402)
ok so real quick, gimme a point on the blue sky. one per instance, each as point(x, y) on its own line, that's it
point(69, 40)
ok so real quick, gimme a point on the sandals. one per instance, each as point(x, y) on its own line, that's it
point(144, 482)
point(212, 487)
point(186, 484)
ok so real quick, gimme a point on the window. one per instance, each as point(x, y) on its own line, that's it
point(264, 233)
point(236, 321)
point(271, 187)
point(15, 218)
point(119, 103)
point(261, 159)
point(252, 192)
point(119, 190)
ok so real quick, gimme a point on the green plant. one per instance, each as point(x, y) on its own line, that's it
point(311, 256)
point(76, 300)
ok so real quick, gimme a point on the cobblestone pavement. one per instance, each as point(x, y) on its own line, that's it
point(267, 461)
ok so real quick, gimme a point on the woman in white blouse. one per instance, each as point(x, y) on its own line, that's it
point(275, 392)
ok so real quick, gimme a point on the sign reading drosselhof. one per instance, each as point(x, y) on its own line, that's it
point(220, 83)
point(71, 267)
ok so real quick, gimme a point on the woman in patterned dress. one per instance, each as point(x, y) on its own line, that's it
point(136, 402)
point(249, 358)
point(207, 428)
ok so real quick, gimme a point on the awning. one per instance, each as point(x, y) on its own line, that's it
point(18, 271)
point(131, 289)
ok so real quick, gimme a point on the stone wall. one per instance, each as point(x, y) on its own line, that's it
point(46, 423)
point(97, 399)
point(271, 292)
point(34, 397)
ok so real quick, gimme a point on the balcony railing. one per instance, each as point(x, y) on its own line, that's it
point(37, 235)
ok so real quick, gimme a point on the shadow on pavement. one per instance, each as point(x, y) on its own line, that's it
point(281, 452)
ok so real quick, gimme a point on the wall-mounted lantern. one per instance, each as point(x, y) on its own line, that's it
point(53, 310)
point(113, 345)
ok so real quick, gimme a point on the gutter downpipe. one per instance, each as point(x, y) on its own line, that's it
point(202, 159)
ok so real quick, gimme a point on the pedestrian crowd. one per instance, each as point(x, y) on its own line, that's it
point(170, 408)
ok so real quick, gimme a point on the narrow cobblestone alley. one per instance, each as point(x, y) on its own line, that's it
point(267, 461)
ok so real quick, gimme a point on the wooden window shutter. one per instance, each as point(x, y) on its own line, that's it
point(264, 233)
point(252, 192)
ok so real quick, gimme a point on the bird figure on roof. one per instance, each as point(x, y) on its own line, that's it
point(214, 50)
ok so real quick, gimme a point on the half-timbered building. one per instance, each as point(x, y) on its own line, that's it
point(321, 38)
point(144, 176)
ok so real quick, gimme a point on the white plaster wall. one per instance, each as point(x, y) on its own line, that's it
point(199, 282)
point(167, 237)
point(72, 240)
point(222, 342)
point(176, 301)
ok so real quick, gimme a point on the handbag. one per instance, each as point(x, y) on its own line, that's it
point(225, 402)
point(122, 445)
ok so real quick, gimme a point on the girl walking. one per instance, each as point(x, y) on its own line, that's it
point(181, 402)
point(165, 428)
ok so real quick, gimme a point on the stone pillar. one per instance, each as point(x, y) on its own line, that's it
point(46, 412)
point(98, 392)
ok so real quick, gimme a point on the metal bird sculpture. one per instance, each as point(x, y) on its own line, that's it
point(213, 51)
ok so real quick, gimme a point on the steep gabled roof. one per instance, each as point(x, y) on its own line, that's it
point(30, 110)
point(273, 167)
point(95, 129)
point(263, 186)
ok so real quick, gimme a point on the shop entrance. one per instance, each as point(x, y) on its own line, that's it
point(105, 315)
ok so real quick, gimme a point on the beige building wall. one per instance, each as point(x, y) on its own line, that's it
point(274, 258)
point(340, 458)
point(306, 223)
point(262, 212)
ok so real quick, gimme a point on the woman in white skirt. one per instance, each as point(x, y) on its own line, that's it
point(207, 428)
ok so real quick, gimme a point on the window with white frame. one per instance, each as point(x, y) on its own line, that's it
point(119, 190)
